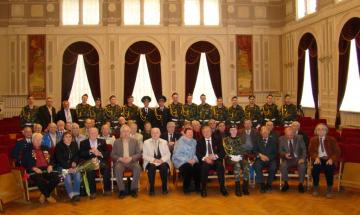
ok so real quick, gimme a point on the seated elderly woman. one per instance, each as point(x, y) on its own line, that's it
point(324, 152)
point(36, 160)
point(184, 159)
point(66, 159)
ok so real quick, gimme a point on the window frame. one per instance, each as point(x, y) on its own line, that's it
point(306, 12)
point(201, 16)
point(80, 15)
point(142, 4)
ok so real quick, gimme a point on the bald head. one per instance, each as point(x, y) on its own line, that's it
point(155, 133)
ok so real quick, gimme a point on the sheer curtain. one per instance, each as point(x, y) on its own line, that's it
point(211, 12)
point(70, 12)
point(350, 103)
point(91, 12)
point(192, 12)
point(132, 10)
point(143, 85)
point(307, 99)
point(152, 12)
point(203, 83)
point(80, 84)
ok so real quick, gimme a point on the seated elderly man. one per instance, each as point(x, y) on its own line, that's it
point(324, 152)
point(135, 134)
point(292, 151)
point(156, 155)
point(22, 144)
point(77, 137)
point(106, 134)
point(96, 148)
point(116, 131)
point(60, 128)
point(297, 129)
point(85, 130)
point(51, 138)
point(125, 155)
point(170, 135)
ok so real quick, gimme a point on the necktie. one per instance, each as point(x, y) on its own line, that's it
point(322, 145)
point(171, 137)
point(209, 147)
point(146, 110)
point(291, 148)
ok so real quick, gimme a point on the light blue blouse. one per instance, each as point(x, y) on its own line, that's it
point(184, 151)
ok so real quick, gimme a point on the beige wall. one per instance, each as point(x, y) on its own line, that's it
point(272, 23)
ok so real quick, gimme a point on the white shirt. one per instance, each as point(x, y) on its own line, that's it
point(93, 143)
point(125, 148)
point(211, 148)
point(50, 112)
point(322, 153)
point(68, 115)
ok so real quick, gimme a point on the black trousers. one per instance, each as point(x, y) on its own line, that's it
point(189, 172)
point(259, 165)
point(46, 182)
point(151, 171)
point(105, 172)
point(329, 173)
point(218, 167)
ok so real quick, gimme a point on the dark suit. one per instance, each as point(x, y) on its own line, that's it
point(44, 116)
point(269, 149)
point(299, 150)
point(162, 118)
point(119, 167)
point(17, 152)
point(65, 155)
point(218, 149)
point(61, 115)
point(143, 117)
point(175, 137)
point(104, 165)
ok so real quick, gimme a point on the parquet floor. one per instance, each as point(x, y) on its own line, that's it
point(176, 202)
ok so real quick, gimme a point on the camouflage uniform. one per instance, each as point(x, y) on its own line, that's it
point(204, 113)
point(190, 112)
point(98, 114)
point(253, 114)
point(83, 113)
point(28, 116)
point(235, 146)
point(270, 113)
point(112, 114)
point(220, 114)
point(288, 114)
point(176, 114)
point(236, 115)
point(130, 112)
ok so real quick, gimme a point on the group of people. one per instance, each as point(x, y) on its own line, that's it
point(191, 145)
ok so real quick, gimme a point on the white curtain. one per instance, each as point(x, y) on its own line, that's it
point(351, 101)
point(143, 85)
point(70, 12)
point(91, 12)
point(132, 10)
point(203, 83)
point(211, 12)
point(307, 99)
point(152, 12)
point(80, 85)
point(192, 12)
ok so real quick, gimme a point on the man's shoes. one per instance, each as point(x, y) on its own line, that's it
point(329, 194)
point(134, 193)
point(237, 188)
point(203, 193)
point(42, 199)
point(107, 193)
point(76, 198)
point(285, 187)
point(224, 192)
point(315, 191)
point(121, 194)
point(51, 199)
point(93, 196)
point(268, 188)
point(245, 188)
point(165, 191)
point(262, 188)
point(301, 188)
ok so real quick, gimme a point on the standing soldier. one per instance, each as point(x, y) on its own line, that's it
point(190, 110)
point(270, 111)
point(113, 111)
point(162, 114)
point(130, 110)
point(236, 113)
point(98, 114)
point(253, 112)
point(220, 112)
point(236, 151)
point(83, 110)
point(176, 110)
point(288, 111)
point(28, 113)
point(146, 114)
point(204, 111)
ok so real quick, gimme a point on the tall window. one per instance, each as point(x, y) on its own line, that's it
point(145, 12)
point(351, 101)
point(143, 84)
point(305, 7)
point(80, 12)
point(203, 83)
point(80, 84)
point(197, 12)
point(307, 99)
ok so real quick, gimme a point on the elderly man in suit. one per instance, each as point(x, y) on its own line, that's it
point(156, 155)
point(22, 144)
point(324, 152)
point(46, 113)
point(266, 152)
point(66, 114)
point(292, 150)
point(125, 155)
point(210, 152)
point(171, 135)
point(91, 148)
